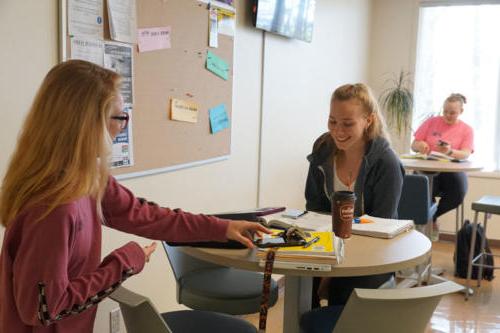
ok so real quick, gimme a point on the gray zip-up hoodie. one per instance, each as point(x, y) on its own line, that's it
point(378, 186)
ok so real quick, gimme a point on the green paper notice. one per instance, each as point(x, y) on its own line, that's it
point(217, 66)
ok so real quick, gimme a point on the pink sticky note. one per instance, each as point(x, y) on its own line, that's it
point(150, 39)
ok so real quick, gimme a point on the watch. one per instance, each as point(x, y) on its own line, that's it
point(449, 152)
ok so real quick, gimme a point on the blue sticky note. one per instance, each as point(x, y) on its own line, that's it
point(218, 118)
point(217, 66)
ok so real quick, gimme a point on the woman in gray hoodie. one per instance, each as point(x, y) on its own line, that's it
point(354, 155)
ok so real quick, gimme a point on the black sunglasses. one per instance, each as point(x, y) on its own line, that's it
point(123, 120)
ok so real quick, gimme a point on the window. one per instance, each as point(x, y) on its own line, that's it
point(458, 52)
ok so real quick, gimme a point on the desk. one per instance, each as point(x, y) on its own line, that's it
point(439, 166)
point(363, 256)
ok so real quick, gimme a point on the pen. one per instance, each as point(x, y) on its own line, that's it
point(303, 213)
point(311, 242)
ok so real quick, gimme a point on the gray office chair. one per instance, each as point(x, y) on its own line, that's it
point(206, 286)
point(141, 316)
point(415, 202)
point(380, 310)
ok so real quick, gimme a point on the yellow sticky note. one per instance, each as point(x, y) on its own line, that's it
point(183, 110)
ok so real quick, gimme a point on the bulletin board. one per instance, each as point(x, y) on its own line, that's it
point(159, 143)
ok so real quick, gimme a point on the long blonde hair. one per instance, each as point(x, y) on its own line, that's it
point(362, 93)
point(63, 147)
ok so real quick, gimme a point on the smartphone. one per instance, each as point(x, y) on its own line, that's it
point(294, 213)
point(442, 143)
point(277, 242)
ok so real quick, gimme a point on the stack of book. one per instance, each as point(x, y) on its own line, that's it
point(320, 255)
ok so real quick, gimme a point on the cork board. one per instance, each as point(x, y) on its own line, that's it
point(161, 144)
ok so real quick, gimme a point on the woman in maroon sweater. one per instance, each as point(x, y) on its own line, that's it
point(56, 195)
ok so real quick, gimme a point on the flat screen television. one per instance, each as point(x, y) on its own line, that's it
point(290, 18)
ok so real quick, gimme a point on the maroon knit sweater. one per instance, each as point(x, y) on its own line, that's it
point(51, 272)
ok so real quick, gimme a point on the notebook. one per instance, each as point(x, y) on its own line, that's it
point(310, 221)
point(381, 227)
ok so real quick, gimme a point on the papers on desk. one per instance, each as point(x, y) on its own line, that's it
point(380, 227)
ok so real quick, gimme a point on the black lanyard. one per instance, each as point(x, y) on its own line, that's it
point(266, 289)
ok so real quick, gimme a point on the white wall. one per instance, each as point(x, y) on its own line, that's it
point(393, 44)
point(299, 79)
point(28, 51)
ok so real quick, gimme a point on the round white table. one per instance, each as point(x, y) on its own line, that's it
point(440, 166)
point(363, 256)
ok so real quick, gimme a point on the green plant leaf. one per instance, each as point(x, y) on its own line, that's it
point(397, 101)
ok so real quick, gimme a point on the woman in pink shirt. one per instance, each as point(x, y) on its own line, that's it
point(448, 135)
point(56, 195)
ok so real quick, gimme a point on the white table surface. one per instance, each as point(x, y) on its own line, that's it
point(440, 166)
point(363, 256)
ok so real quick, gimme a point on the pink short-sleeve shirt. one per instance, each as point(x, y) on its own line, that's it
point(459, 135)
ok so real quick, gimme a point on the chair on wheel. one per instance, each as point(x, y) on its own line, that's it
point(206, 286)
point(140, 316)
point(415, 202)
point(380, 310)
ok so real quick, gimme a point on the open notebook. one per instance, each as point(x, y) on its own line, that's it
point(310, 221)
point(380, 227)
point(432, 156)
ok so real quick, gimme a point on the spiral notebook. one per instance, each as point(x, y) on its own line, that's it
point(381, 227)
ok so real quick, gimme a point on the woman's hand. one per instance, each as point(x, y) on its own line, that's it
point(243, 232)
point(148, 250)
point(422, 147)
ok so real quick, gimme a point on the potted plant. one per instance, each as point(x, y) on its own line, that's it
point(397, 101)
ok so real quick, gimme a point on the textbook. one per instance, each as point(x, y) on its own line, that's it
point(432, 156)
point(320, 248)
point(381, 227)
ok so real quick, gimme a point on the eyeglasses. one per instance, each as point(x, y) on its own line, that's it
point(123, 120)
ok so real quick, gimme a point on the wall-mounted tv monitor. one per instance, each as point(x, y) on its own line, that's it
point(291, 18)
